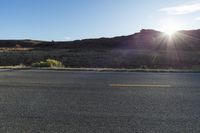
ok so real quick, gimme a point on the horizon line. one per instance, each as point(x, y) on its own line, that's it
point(101, 37)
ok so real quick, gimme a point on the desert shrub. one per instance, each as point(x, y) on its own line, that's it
point(48, 63)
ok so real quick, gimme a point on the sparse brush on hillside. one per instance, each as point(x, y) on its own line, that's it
point(48, 63)
point(115, 58)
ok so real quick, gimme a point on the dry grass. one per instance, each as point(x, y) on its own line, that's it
point(15, 49)
point(14, 67)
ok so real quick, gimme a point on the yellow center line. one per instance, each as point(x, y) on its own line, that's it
point(139, 85)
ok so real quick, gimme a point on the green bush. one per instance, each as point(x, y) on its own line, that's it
point(48, 63)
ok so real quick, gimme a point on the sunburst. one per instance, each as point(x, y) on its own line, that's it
point(170, 28)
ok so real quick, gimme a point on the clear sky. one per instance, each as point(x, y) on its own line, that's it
point(78, 19)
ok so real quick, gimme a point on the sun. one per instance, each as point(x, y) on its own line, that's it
point(170, 27)
point(170, 32)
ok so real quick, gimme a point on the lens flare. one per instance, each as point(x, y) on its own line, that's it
point(170, 27)
point(170, 32)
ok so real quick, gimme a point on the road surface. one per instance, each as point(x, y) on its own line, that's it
point(33, 101)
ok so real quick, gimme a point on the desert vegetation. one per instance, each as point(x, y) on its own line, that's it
point(48, 63)
point(110, 58)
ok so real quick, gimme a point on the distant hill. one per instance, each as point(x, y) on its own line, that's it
point(145, 39)
point(146, 49)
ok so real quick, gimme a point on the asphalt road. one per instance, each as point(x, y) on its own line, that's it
point(94, 102)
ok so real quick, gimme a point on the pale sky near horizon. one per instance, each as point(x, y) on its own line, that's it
point(79, 19)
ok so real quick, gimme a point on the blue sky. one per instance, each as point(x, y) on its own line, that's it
point(78, 19)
